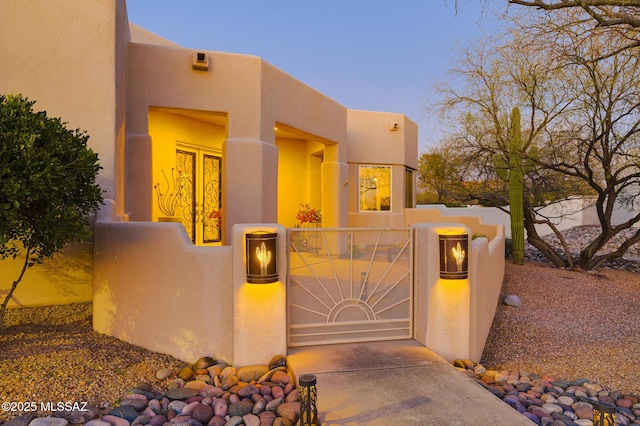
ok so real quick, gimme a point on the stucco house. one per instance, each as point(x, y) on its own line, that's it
point(226, 142)
point(250, 140)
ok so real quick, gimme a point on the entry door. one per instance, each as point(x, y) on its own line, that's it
point(201, 207)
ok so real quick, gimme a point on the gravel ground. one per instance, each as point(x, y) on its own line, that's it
point(570, 325)
point(51, 355)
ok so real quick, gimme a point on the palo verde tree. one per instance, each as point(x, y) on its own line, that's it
point(48, 185)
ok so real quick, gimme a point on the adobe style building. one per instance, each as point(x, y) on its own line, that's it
point(251, 141)
point(227, 143)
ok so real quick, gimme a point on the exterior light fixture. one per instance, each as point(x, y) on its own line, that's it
point(200, 61)
point(454, 251)
point(308, 400)
point(604, 413)
point(262, 257)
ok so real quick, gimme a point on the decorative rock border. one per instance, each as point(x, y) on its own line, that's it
point(547, 401)
point(579, 236)
point(208, 393)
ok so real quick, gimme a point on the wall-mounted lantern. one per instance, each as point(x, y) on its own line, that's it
point(262, 257)
point(604, 413)
point(308, 400)
point(454, 250)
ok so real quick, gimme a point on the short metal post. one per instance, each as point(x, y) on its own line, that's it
point(604, 414)
point(308, 400)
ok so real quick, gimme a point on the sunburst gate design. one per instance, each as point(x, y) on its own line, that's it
point(354, 285)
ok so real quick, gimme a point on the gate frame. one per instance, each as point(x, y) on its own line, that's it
point(408, 248)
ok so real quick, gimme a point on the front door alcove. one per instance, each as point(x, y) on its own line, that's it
point(187, 146)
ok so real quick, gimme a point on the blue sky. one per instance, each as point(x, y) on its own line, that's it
point(366, 54)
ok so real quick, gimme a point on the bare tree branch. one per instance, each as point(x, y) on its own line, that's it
point(576, 84)
point(602, 11)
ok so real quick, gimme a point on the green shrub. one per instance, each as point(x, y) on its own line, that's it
point(48, 185)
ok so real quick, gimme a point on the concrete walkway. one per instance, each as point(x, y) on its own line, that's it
point(396, 383)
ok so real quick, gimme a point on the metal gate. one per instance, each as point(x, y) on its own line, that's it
point(349, 285)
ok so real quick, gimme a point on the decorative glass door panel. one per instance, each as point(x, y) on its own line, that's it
point(211, 199)
point(185, 210)
point(200, 206)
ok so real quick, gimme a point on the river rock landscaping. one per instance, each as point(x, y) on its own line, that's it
point(548, 401)
point(208, 393)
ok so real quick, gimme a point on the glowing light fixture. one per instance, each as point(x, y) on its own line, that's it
point(454, 251)
point(604, 413)
point(308, 400)
point(262, 257)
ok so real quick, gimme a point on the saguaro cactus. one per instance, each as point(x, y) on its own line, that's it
point(459, 255)
point(264, 257)
point(513, 173)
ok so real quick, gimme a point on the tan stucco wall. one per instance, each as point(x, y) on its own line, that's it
point(486, 273)
point(372, 141)
point(453, 317)
point(154, 289)
point(70, 69)
point(59, 281)
point(161, 76)
point(487, 270)
point(144, 36)
point(73, 70)
point(474, 223)
point(299, 179)
point(259, 310)
point(254, 96)
point(289, 101)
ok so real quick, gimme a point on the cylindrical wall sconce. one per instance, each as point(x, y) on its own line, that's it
point(262, 257)
point(454, 251)
point(604, 413)
point(308, 400)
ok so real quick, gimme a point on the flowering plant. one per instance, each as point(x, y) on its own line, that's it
point(215, 215)
point(308, 214)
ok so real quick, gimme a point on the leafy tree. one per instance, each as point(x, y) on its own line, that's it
point(438, 175)
point(48, 185)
